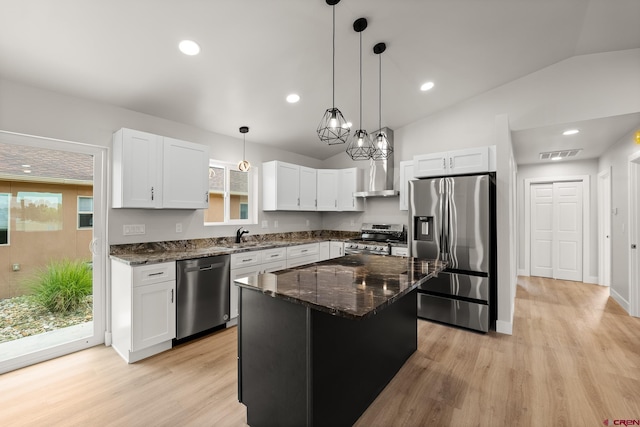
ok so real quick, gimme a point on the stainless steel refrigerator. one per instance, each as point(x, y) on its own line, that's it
point(453, 219)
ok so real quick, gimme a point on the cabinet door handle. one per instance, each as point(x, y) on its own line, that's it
point(171, 296)
point(298, 201)
point(151, 193)
point(206, 197)
point(159, 273)
point(335, 203)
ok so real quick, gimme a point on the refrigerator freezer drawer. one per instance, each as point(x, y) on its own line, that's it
point(454, 312)
point(462, 285)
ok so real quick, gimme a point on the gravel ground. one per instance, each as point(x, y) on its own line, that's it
point(22, 316)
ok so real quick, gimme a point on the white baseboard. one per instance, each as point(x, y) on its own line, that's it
point(623, 302)
point(107, 339)
point(591, 279)
point(522, 272)
point(503, 327)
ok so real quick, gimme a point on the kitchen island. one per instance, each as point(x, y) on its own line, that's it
point(318, 343)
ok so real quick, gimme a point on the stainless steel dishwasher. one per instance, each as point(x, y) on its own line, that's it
point(202, 294)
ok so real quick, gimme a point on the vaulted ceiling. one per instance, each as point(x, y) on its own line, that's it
point(256, 52)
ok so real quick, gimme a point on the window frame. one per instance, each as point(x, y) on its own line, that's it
point(252, 197)
point(79, 212)
point(9, 196)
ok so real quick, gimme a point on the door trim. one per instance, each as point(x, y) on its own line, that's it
point(604, 208)
point(634, 234)
point(586, 218)
point(101, 303)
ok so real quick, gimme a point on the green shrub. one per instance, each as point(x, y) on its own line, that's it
point(62, 286)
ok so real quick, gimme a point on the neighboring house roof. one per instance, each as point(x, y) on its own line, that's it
point(44, 164)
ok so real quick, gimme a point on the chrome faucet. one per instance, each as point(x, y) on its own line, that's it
point(239, 233)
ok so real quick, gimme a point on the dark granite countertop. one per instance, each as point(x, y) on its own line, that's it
point(174, 251)
point(353, 286)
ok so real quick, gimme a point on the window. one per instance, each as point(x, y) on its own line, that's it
point(85, 212)
point(232, 198)
point(37, 211)
point(5, 198)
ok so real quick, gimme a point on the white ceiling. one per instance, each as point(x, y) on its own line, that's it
point(255, 52)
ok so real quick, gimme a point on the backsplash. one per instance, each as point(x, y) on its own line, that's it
point(181, 245)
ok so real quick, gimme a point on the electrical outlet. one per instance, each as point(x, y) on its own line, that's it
point(15, 267)
point(275, 224)
point(131, 229)
point(265, 223)
point(178, 227)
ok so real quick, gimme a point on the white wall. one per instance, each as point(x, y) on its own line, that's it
point(617, 158)
point(561, 169)
point(33, 111)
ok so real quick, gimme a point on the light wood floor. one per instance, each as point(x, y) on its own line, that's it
point(573, 359)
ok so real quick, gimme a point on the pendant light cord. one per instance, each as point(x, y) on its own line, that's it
point(360, 79)
point(333, 63)
point(380, 94)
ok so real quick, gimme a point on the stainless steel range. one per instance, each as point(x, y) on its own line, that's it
point(376, 239)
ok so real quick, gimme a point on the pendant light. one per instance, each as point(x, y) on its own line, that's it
point(360, 147)
point(333, 128)
point(382, 148)
point(244, 165)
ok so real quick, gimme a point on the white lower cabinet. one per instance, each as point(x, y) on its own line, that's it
point(143, 309)
point(233, 289)
point(325, 251)
point(252, 263)
point(399, 251)
point(303, 254)
point(336, 249)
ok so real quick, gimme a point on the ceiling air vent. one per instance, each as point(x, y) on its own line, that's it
point(557, 155)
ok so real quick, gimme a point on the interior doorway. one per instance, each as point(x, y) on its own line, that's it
point(634, 234)
point(604, 227)
point(52, 248)
point(557, 239)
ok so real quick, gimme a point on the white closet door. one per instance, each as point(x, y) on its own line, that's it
point(567, 242)
point(542, 230)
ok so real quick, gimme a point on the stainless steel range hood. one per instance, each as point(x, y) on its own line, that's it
point(380, 182)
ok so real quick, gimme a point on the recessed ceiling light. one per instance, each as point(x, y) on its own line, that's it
point(26, 171)
point(570, 132)
point(427, 86)
point(556, 158)
point(293, 98)
point(189, 47)
point(26, 166)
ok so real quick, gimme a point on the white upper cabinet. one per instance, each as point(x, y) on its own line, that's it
point(280, 186)
point(308, 189)
point(349, 182)
point(137, 157)
point(328, 189)
point(185, 183)
point(289, 187)
point(471, 160)
point(406, 175)
point(151, 171)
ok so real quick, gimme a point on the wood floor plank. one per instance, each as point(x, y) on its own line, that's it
point(573, 359)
